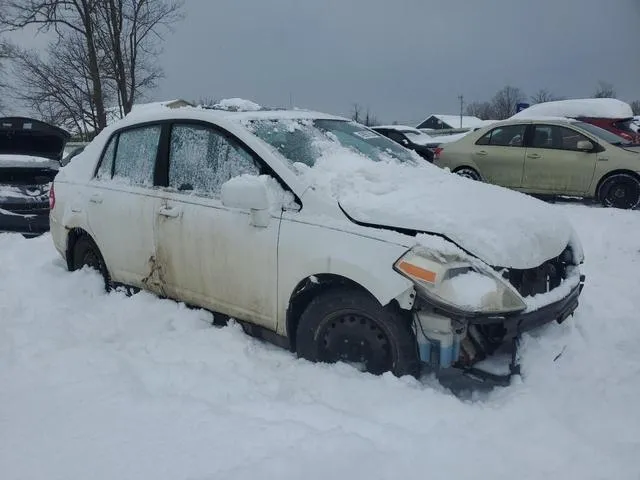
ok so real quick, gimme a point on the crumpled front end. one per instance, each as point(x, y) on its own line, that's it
point(466, 313)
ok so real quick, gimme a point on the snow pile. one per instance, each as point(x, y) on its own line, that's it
point(502, 227)
point(584, 107)
point(108, 387)
point(237, 105)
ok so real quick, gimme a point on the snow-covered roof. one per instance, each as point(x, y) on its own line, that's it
point(580, 107)
point(453, 121)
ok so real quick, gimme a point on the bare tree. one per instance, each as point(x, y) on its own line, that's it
point(604, 90)
point(130, 31)
point(356, 113)
point(505, 102)
point(58, 87)
point(482, 110)
point(370, 119)
point(119, 41)
point(63, 17)
point(544, 95)
point(635, 106)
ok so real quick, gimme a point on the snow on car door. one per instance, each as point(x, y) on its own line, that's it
point(211, 255)
point(122, 202)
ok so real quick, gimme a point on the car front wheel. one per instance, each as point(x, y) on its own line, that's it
point(620, 191)
point(351, 326)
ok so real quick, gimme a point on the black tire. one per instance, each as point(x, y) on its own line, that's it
point(350, 325)
point(87, 253)
point(621, 190)
point(468, 172)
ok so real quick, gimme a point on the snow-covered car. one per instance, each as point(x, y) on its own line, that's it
point(30, 154)
point(550, 156)
point(317, 234)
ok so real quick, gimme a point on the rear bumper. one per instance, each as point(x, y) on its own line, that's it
point(27, 224)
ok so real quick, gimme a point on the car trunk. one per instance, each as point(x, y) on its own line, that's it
point(30, 152)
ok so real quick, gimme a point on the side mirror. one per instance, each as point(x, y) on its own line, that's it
point(248, 192)
point(585, 146)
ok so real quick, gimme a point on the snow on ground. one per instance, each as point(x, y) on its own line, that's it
point(108, 387)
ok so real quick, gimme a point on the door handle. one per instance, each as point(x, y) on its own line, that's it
point(95, 198)
point(533, 155)
point(171, 212)
point(482, 153)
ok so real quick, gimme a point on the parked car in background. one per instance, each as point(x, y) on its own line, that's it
point(30, 154)
point(317, 234)
point(610, 114)
point(550, 156)
point(411, 138)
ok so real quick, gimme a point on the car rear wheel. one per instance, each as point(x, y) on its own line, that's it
point(620, 191)
point(351, 326)
point(468, 172)
point(86, 253)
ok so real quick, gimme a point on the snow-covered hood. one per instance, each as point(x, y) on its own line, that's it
point(501, 227)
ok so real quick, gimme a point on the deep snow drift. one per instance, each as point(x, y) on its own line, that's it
point(107, 387)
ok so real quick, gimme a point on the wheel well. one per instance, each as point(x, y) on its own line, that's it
point(611, 174)
point(72, 238)
point(306, 291)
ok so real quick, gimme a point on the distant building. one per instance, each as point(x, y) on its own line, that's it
point(450, 122)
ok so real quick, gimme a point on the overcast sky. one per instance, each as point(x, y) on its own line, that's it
point(404, 59)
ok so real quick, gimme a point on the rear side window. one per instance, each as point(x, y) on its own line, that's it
point(135, 156)
point(556, 137)
point(106, 163)
point(505, 136)
point(201, 159)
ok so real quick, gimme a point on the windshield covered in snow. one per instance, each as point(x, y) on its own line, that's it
point(305, 140)
point(605, 135)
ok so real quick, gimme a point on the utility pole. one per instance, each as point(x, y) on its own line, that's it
point(461, 98)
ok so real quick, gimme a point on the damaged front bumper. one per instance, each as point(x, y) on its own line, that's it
point(476, 338)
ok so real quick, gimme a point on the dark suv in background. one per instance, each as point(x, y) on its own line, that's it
point(30, 155)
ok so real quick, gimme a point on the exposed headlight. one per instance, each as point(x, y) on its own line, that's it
point(459, 284)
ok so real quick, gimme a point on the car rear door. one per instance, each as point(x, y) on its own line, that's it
point(210, 255)
point(122, 202)
point(553, 163)
point(499, 154)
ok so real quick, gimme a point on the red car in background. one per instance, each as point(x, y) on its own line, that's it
point(623, 127)
point(610, 114)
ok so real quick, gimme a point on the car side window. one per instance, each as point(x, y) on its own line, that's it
point(504, 136)
point(106, 163)
point(201, 160)
point(556, 137)
point(135, 157)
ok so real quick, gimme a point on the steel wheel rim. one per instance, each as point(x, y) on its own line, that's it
point(355, 339)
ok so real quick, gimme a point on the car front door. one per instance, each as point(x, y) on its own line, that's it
point(210, 255)
point(122, 202)
point(499, 154)
point(554, 164)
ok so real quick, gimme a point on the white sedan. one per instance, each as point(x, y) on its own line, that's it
point(317, 234)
